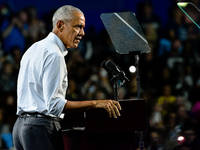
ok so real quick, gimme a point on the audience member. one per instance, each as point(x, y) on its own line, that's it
point(5, 132)
point(166, 100)
point(149, 21)
point(14, 32)
point(8, 78)
point(37, 29)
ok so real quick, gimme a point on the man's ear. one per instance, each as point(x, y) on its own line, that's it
point(60, 25)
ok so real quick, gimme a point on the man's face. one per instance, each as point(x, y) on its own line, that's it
point(73, 31)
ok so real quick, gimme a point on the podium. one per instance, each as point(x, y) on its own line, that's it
point(95, 130)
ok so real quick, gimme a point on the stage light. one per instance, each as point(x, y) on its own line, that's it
point(181, 139)
point(132, 69)
point(181, 4)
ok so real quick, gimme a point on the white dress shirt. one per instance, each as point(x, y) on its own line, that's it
point(42, 80)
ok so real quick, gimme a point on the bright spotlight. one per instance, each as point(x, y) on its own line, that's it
point(132, 69)
point(181, 139)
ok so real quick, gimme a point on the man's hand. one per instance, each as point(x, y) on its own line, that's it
point(111, 106)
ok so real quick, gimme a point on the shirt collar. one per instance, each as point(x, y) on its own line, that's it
point(58, 42)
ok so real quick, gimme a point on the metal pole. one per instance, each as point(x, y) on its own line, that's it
point(141, 143)
point(115, 87)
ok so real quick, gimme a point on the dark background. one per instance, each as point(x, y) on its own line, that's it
point(91, 8)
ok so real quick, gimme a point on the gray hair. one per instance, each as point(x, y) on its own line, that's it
point(65, 13)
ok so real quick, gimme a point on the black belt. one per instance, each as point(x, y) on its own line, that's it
point(37, 115)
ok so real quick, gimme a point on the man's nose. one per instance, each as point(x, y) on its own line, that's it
point(82, 32)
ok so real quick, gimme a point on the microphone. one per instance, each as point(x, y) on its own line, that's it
point(110, 67)
point(113, 69)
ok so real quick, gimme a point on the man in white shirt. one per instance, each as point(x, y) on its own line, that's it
point(42, 84)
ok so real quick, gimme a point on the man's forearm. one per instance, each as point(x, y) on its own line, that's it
point(111, 106)
point(77, 106)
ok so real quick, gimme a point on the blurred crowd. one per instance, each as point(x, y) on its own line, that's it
point(169, 74)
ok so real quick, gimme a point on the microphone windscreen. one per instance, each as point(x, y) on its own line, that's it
point(111, 65)
point(103, 64)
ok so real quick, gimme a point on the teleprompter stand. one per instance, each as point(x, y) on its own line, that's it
point(141, 143)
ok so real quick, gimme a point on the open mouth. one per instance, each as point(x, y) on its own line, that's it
point(78, 38)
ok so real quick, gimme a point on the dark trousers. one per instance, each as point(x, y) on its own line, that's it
point(37, 133)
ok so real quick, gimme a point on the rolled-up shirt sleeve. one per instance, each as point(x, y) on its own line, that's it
point(54, 84)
